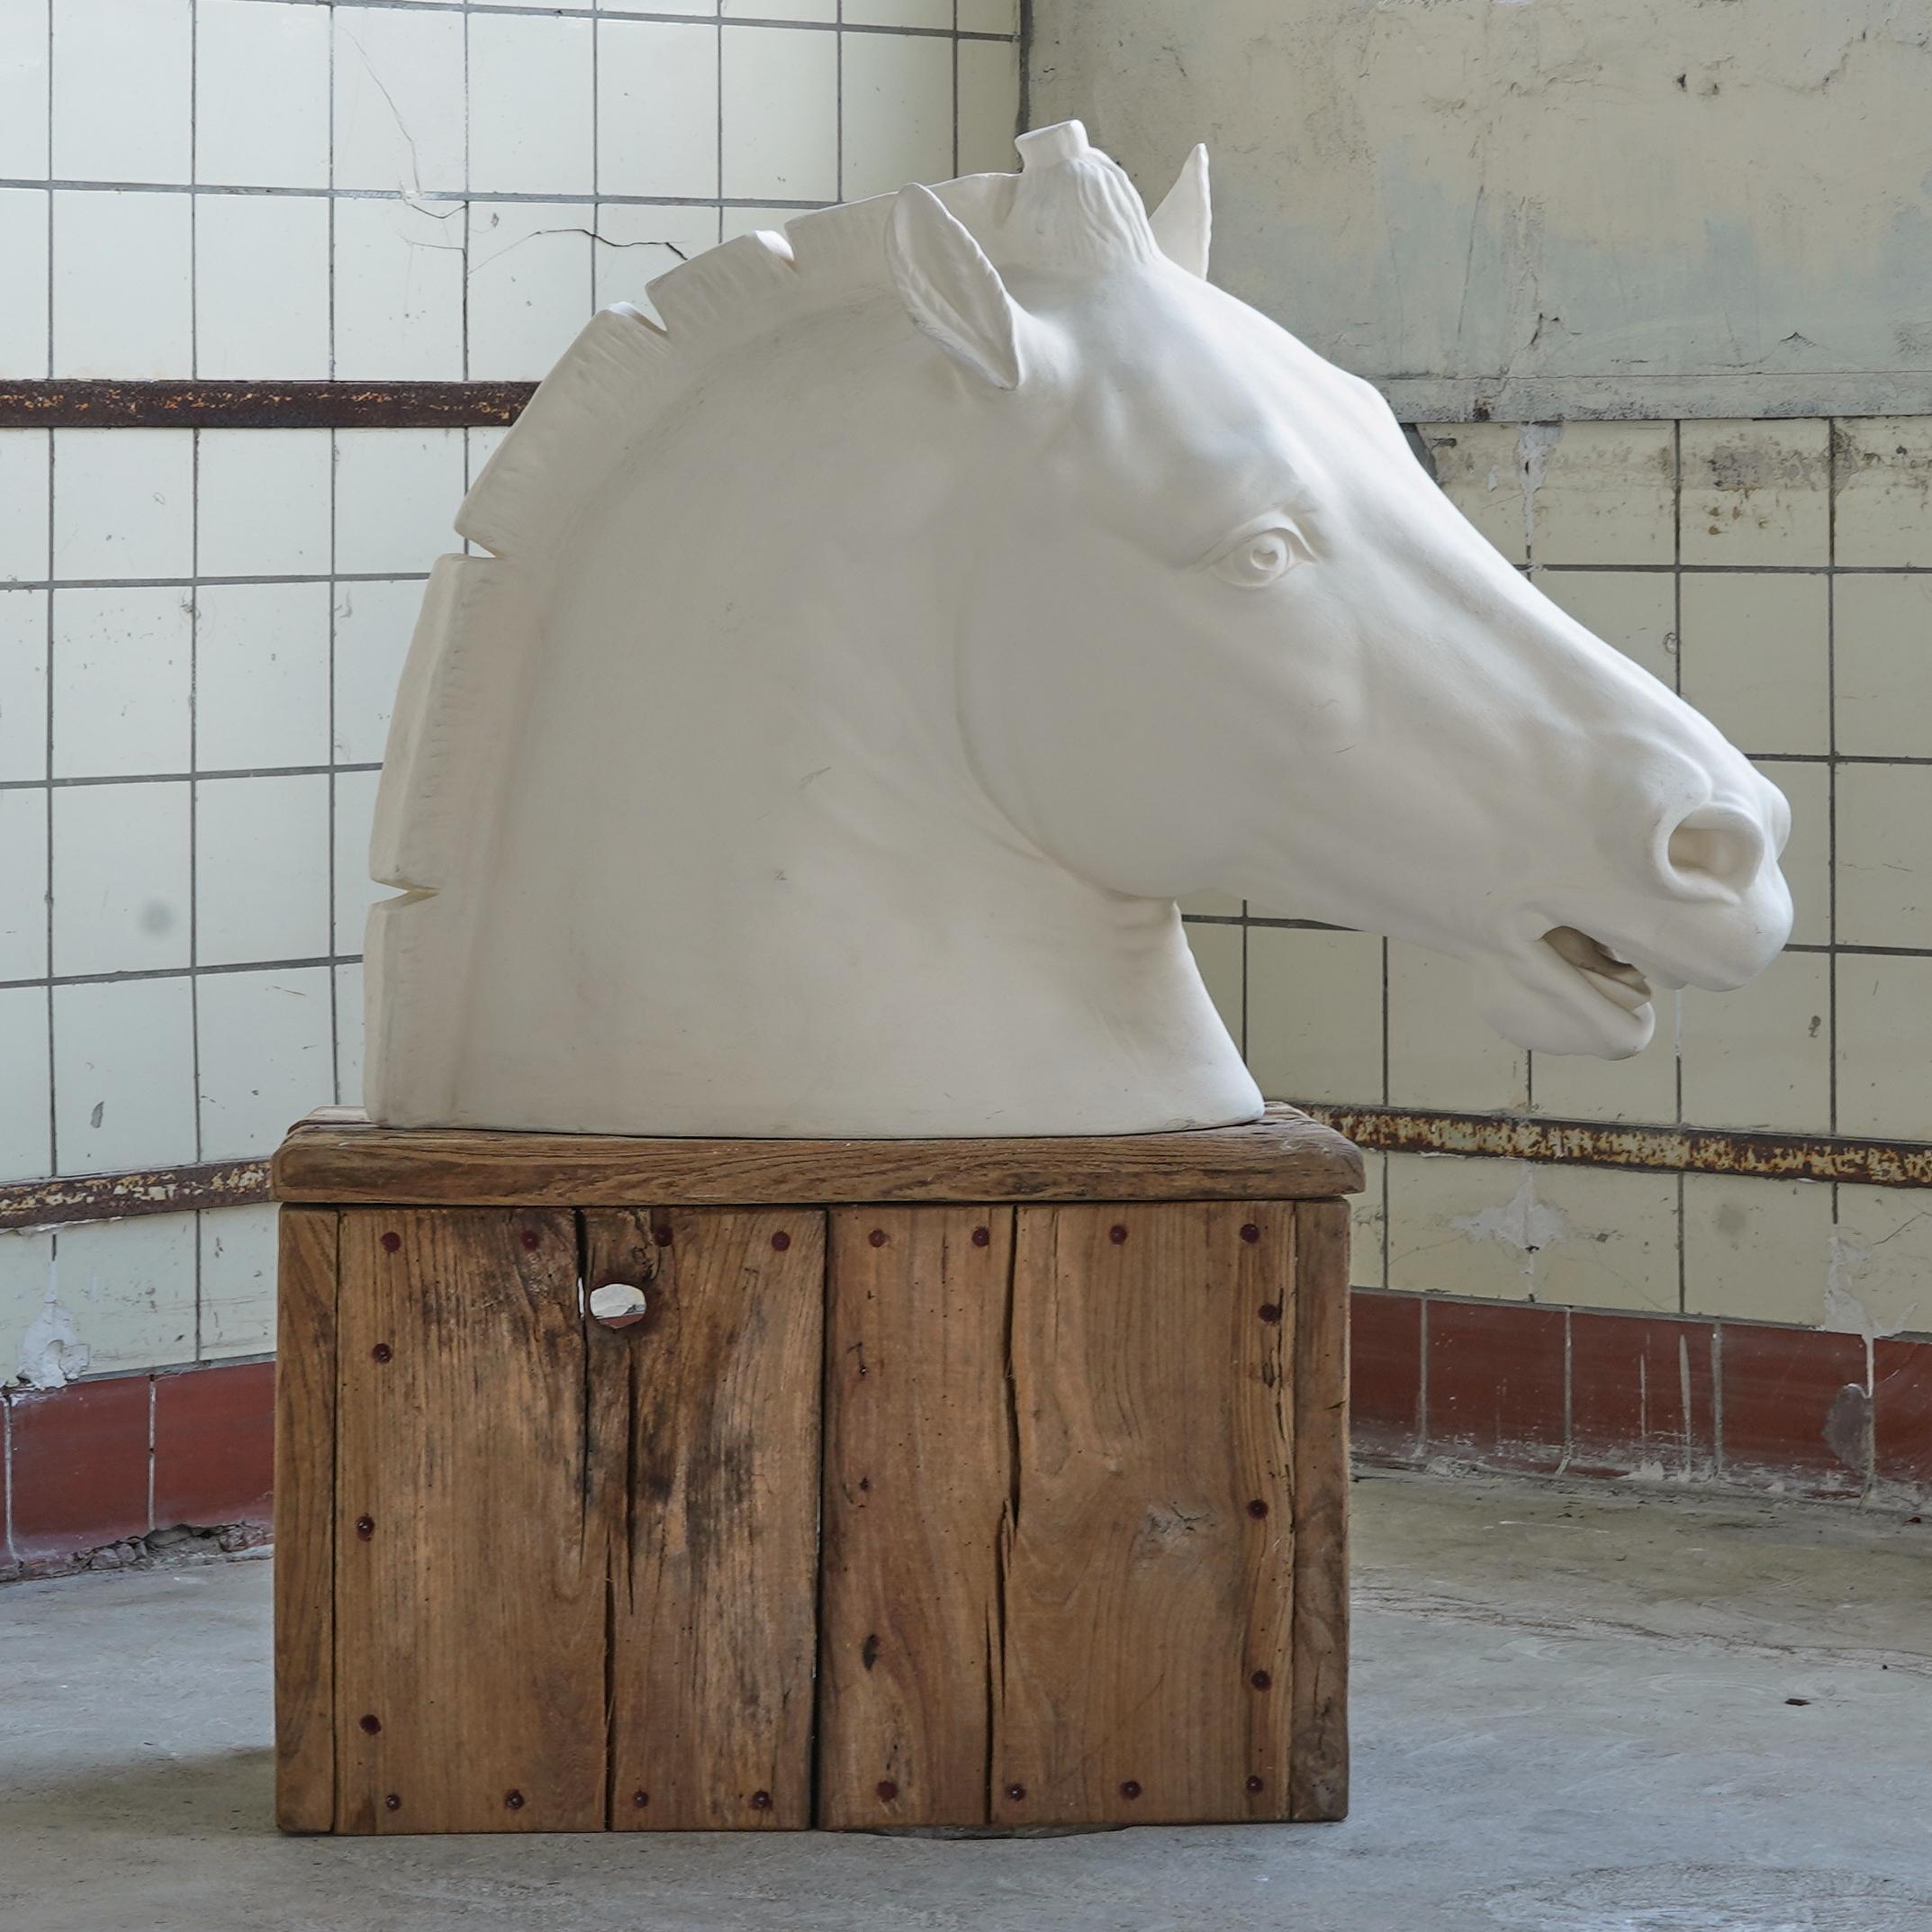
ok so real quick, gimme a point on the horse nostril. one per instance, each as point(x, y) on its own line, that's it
point(1718, 843)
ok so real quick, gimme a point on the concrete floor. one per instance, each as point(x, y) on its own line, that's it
point(1573, 1714)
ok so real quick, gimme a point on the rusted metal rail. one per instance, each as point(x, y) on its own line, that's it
point(57, 404)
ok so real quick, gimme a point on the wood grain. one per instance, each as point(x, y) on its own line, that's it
point(1318, 1786)
point(336, 1157)
point(917, 1475)
point(1145, 1672)
point(304, 1513)
point(471, 1552)
point(705, 1417)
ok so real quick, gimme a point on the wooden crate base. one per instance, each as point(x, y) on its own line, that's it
point(991, 1515)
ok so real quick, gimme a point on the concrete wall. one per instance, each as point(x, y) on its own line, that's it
point(1554, 208)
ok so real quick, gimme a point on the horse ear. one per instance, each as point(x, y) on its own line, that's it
point(1183, 221)
point(950, 289)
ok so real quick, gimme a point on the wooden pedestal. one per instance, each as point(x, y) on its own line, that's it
point(985, 1483)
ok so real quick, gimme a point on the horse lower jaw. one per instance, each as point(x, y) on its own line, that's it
point(1546, 1000)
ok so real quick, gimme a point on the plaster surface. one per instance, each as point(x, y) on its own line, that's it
point(1573, 1714)
point(1561, 208)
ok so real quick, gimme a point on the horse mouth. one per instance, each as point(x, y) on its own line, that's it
point(1615, 980)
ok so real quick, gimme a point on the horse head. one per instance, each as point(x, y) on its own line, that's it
point(1228, 634)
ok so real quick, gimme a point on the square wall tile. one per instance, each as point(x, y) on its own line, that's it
point(1761, 1056)
point(1882, 632)
point(1643, 1394)
point(634, 246)
point(24, 342)
point(399, 287)
point(122, 88)
point(261, 96)
point(1218, 954)
point(349, 1029)
point(1757, 1249)
point(1464, 1226)
point(774, 9)
point(1756, 492)
point(123, 505)
point(22, 684)
point(373, 622)
point(24, 46)
point(1213, 905)
point(396, 496)
point(26, 1078)
point(121, 878)
point(44, 1360)
point(121, 681)
point(25, 481)
point(267, 1056)
point(1901, 1420)
point(1441, 1054)
point(215, 1446)
point(780, 93)
point(261, 872)
point(656, 108)
point(1480, 472)
point(1807, 860)
point(1885, 1047)
point(480, 445)
point(1783, 1401)
point(106, 243)
point(1314, 1014)
point(1368, 1225)
point(261, 685)
point(1600, 492)
point(531, 105)
point(896, 106)
point(1756, 654)
point(1884, 847)
point(1883, 470)
point(931, 14)
point(261, 300)
point(1384, 1372)
point(1496, 1386)
point(262, 501)
point(529, 283)
point(130, 1285)
point(1634, 609)
point(989, 16)
point(237, 1299)
point(1881, 1276)
point(1613, 1241)
point(124, 1074)
point(23, 885)
point(989, 105)
point(399, 110)
point(1643, 1088)
point(354, 890)
point(80, 1466)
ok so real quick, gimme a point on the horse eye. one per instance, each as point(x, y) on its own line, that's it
point(1258, 560)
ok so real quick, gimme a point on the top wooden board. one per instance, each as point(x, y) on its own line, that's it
point(337, 1156)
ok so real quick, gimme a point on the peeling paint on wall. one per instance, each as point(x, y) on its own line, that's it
point(51, 1353)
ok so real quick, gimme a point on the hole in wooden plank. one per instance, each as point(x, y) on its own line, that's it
point(618, 1304)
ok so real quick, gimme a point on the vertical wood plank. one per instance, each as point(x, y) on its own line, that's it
point(304, 1509)
point(1319, 1776)
point(707, 1411)
point(471, 1545)
point(917, 1468)
point(1145, 1669)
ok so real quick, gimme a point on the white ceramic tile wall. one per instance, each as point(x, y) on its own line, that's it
point(1779, 574)
point(200, 631)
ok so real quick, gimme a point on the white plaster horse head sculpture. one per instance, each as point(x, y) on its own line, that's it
point(867, 658)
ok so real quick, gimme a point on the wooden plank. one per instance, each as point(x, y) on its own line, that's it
point(707, 1417)
point(917, 1472)
point(337, 1156)
point(1318, 1786)
point(1144, 1673)
point(304, 1516)
point(470, 1596)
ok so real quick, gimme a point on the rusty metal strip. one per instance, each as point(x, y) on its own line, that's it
point(39, 1203)
point(1649, 1149)
point(116, 405)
